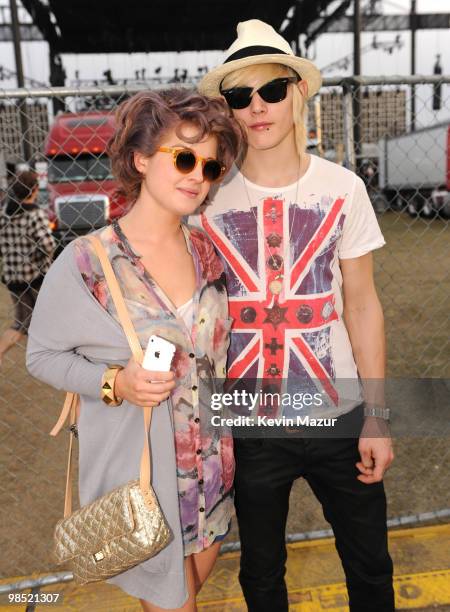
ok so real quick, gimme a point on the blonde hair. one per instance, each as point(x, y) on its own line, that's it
point(262, 73)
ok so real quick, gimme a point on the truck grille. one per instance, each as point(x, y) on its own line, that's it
point(82, 211)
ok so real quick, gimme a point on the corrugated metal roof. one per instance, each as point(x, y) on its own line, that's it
point(107, 26)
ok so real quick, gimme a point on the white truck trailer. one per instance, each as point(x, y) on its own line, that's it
point(414, 171)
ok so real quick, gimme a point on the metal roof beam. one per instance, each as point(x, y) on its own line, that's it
point(323, 23)
point(378, 23)
point(40, 14)
point(28, 32)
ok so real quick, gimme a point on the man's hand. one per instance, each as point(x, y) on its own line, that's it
point(377, 454)
point(364, 321)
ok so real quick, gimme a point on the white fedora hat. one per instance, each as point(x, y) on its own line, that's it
point(258, 43)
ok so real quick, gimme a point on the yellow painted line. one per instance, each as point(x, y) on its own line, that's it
point(412, 591)
point(426, 546)
point(431, 531)
point(422, 590)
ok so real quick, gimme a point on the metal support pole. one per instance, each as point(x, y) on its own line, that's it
point(15, 29)
point(413, 26)
point(57, 78)
point(349, 141)
point(318, 123)
point(356, 37)
point(357, 72)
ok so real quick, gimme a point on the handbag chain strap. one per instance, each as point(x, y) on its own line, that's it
point(71, 405)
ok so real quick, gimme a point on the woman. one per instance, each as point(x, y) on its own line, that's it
point(167, 150)
point(26, 252)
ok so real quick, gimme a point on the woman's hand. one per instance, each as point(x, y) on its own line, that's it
point(142, 387)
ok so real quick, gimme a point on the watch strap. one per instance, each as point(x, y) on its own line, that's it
point(375, 411)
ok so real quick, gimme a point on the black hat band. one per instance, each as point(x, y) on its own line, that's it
point(253, 50)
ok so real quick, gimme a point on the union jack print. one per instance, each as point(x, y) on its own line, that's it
point(282, 313)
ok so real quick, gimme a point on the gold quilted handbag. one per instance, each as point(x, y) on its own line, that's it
point(125, 527)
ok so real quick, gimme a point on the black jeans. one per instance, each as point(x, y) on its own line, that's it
point(24, 296)
point(265, 472)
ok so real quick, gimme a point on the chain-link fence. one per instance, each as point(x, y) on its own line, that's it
point(365, 124)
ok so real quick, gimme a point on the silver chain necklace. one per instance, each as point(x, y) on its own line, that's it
point(275, 286)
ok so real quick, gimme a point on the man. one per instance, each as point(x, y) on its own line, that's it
point(295, 233)
point(26, 251)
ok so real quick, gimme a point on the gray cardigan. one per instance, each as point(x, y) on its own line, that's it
point(71, 341)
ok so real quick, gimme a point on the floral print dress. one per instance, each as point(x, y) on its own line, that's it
point(204, 454)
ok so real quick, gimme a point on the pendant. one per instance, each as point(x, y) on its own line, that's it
point(275, 262)
point(248, 314)
point(275, 287)
point(276, 315)
point(274, 240)
point(327, 310)
point(305, 314)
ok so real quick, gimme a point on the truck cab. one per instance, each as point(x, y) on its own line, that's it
point(81, 189)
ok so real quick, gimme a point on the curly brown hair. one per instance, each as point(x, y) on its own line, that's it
point(144, 119)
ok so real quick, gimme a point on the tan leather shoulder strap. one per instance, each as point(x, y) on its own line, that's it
point(64, 413)
point(136, 349)
point(70, 406)
point(69, 410)
point(119, 303)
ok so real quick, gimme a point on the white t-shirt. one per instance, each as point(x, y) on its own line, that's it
point(186, 312)
point(281, 248)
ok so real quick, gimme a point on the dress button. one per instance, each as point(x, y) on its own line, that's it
point(199, 450)
point(196, 420)
point(202, 509)
point(200, 482)
point(192, 355)
point(194, 387)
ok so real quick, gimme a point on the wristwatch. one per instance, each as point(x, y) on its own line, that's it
point(108, 382)
point(381, 413)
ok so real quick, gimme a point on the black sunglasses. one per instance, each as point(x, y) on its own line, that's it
point(272, 92)
point(185, 161)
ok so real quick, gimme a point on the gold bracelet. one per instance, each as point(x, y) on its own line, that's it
point(108, 382)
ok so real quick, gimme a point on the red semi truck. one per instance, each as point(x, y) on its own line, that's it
point(81, 189)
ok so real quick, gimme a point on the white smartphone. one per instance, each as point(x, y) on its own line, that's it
point(158, 354)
